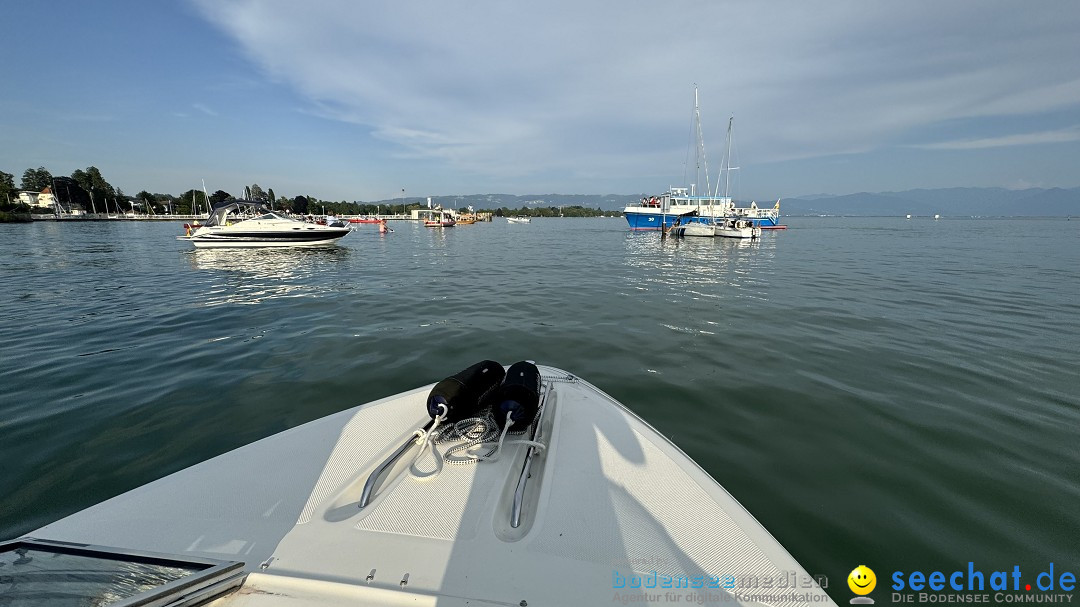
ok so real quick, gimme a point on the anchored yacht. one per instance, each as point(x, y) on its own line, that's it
point(246, 223)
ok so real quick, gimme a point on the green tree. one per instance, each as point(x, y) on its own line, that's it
point(300, 205)
point(166, 202)
point(82, 179)
point(102, 194)
point(186, 202)
point(35, 180)
point(92, 181)
point(150, 202)
point(220, 196)
point(70, 194)
point(270, 195)
point(7, 188)
point(257, 192)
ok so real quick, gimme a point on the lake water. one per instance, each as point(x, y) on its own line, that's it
point(901, 394)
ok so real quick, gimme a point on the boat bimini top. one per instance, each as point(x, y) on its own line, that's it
point(239, 210)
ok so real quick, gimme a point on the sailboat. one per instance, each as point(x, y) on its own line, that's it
point(662, 211)
point(735, 226)
point(726, 227)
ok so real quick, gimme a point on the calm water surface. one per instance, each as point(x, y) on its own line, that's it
point(900, 394)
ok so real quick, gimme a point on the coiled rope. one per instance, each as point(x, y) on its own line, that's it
point(469, 433)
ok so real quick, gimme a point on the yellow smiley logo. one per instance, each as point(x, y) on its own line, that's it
point(862, 580)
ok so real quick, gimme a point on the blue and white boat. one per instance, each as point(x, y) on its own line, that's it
point(656, 212)
point(663, 210)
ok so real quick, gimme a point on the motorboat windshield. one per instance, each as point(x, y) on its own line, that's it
point(239, 210)
point(65, 573)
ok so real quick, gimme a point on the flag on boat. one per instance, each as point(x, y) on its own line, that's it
point(777, 207)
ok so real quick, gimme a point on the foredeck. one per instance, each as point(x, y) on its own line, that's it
point(610, 507)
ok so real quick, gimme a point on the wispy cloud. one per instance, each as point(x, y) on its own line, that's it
point(1058, 136)
point(204, 109)
point(572, 89)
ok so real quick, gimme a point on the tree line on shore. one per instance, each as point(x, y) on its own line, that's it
point(87, 190)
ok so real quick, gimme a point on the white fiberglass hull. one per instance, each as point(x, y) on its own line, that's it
point(266, 234)
point(696, 229)
point(205, 243)
point(609, 508)
point(748, 232)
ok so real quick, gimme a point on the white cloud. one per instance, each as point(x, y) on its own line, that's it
point(1057, 136)
point(583, 89)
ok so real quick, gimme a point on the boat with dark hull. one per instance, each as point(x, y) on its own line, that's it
point(247, 223)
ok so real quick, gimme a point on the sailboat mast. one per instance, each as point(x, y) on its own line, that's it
point(727, 178)
point(702, 160)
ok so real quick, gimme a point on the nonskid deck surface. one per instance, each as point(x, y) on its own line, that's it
point(608, 503)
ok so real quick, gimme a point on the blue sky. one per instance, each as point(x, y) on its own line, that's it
point(348, 100)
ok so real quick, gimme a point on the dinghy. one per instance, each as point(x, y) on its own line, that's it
point(510, 487)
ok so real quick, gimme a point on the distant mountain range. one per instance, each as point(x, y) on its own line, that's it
point(946, 202)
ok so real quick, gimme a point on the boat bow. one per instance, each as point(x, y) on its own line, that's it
point(608, 505)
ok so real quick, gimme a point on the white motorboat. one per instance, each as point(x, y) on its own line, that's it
point(410, 500)
point(518, 220)
point(731, 227)
point(245, 223)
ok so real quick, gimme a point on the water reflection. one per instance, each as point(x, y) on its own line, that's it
point(253, 276)
point(701, 267)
